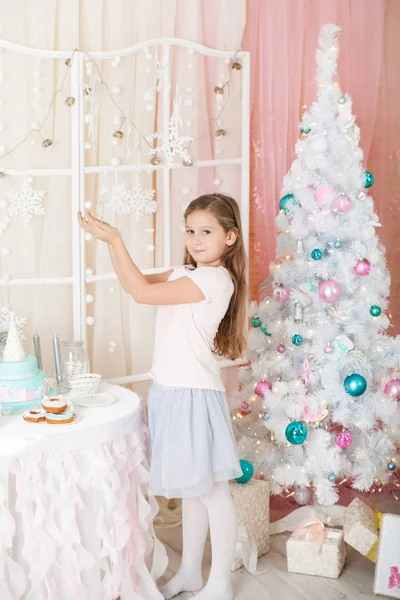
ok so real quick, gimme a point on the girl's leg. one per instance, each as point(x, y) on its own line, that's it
point(194, 531)
point(223, 531)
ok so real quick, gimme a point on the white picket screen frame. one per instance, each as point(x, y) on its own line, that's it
point(78, 170)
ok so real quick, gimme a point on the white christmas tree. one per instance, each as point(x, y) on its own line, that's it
point(320, 402)
point(13, 352)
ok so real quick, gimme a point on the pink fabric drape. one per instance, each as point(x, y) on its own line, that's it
point(282, 37)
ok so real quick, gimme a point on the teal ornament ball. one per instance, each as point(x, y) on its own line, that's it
point(247, 471)
point(375, 310)
point(266, 417)
point(287, 202)
point(355, 384)
point(256, 321)
point(316, 254)
point(332, 477)
point(369, 179)
point(264, 329)
point(305, 130)
point(391, 465)
point(296, 433)
point(297, 339)
point(337, 244)
point(342, 100)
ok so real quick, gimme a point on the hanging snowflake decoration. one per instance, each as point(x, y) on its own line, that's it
point(25, 203)
point(5, 315)
point(137, 201)
point(176, 145)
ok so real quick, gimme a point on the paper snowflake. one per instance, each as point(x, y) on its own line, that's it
point(5, 315)
point(176, 145)
point(25, 203)
point(137, 201)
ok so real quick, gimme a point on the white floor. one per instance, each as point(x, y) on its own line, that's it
point(355, 582)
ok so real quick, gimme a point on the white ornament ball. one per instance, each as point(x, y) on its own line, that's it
point(116, 120)
point(88, 237)
point(5, 251)
point(302, 496)
point(90, 320)
point(113, 344)
point(117, 59)
point(150, 248)
point(149, 56)
point(88, 146)
point(115, 162)
point(319, 143)
point(111, 290)
point(89, 272)
point(88, 204)
point(115, 90)
point(29, 179)
point(217, 181)
point(89, 298)
point(190, 65)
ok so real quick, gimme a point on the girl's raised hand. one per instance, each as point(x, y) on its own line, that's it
point(99, 229)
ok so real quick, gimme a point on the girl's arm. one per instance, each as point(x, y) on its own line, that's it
point(180, 291)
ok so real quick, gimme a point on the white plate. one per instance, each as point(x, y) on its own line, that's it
point(93, 400)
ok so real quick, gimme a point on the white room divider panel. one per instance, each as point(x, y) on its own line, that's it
point(78, 169)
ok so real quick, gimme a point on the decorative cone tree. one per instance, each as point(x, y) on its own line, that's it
point(320, 402)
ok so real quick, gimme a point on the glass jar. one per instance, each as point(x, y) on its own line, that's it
point(75, 361)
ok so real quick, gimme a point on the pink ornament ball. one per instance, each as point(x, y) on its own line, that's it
point(281, 349)
point(328, 349)
point(344, 439)
point(329, 291)
point(324, 194)
point(342, 203)
point(392, 388)
point(245, 405)
point(281, 293)
point(262, 387)
point(363, 267)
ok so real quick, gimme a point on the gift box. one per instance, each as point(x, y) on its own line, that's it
point(252, 507)
point(361, 529)
point(322, 553)
point(387, 572)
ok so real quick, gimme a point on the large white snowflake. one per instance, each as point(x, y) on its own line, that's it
point(25, 203)
point(137, 201)
point(5, 313)
point(176, 144)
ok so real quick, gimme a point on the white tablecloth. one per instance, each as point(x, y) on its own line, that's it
point(75, 523)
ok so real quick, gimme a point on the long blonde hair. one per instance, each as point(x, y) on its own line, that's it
point(230, 339)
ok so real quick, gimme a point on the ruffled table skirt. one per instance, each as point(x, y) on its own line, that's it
point(75, 522)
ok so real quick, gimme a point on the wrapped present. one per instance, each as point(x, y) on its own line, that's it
point(360, 528)
point(314, 549)
point(387, 572)
point(252, 506)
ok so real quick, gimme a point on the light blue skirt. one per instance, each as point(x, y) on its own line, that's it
point(191, 443)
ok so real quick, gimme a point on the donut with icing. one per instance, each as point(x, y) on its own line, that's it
point(60, 418)
point(54, 404)
point(34, 416)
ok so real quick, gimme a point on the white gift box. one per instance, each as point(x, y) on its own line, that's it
point(387, 572)
point(252, 507)
point(360, 528)
point(310, 558)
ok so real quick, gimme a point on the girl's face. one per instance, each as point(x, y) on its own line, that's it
point(206, 240)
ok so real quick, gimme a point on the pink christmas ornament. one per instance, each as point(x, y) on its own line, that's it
point(328, 349)
point(324, 194)
point(363, 267)
point(342, 203)
point(329, 291)
point(281, 349)
point(344, 439)
point(245, 405)
point(281, 293)
point(262, 387)
point(392, 388)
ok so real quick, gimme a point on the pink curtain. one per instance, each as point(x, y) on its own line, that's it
point(282, 38)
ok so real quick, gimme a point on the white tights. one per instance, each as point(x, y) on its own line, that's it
point(216, 508)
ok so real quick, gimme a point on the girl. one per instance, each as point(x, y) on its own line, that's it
point(192, 451)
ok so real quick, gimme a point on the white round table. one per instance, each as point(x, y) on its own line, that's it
point(75, 521)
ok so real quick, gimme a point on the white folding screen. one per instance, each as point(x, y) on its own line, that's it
point(80, 168)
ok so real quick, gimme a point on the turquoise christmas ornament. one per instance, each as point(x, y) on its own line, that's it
point(355, 384)
point(316, 254)
point(337, 244)
point(287, 202)
point(391, 465)
point(247, 471)
point(297, 339)
point(375, 310)
point(264, 329)
point(256, 321)
point(305, 130)
point(369, 179)
point(266, 417)
point(296, 433)
point(332, 477)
